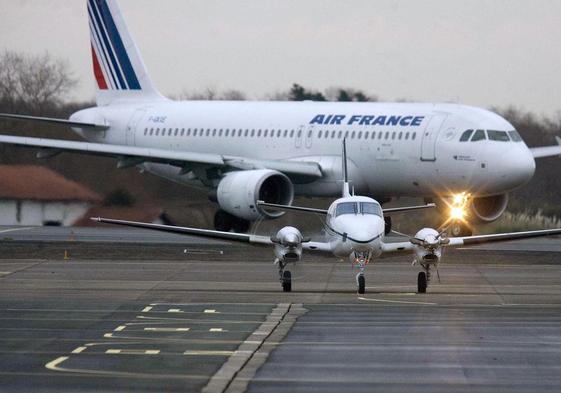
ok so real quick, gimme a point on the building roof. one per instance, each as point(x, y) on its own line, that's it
point(33, 182)
point(138, 213)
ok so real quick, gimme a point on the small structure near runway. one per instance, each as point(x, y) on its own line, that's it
point(36, 195)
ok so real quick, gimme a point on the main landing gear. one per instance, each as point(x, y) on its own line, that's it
point(226, 222)
point(285, 276)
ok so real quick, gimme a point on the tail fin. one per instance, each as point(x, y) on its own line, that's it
point(118, 68)
point(346, 190)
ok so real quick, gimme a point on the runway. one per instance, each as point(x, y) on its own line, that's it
point(158, 314)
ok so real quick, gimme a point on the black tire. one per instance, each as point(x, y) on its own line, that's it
point(223, 221)
point(287, 281)
point(361, 284)
point(422, 282)
point(240, 225)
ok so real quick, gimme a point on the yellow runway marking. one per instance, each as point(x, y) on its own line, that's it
point(120, 328)
point(54, 364)
point(108, 335)
point(132, 351)
point(147, 309)
point(79, 350)
point(155, 329)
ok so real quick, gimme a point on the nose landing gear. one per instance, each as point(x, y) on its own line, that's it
point(285, 276)
point(361, 260)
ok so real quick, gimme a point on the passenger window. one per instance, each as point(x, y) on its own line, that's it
point(393, 135)
point(320, 134)
point(353, 135)
point(387, 135)
point(478, 136)
point(413, 136)
point(500, 136)
point(465, 136)
point(406, 135)
point(373, 135)
point(400, 135)
point(359, 135)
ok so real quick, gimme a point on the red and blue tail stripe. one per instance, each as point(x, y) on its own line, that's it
point(112, 65)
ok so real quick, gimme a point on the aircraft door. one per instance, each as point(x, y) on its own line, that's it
point(133, 124)
point(430, 135)
point(309, 136)
point(298, 137)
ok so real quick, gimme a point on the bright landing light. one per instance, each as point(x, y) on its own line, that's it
point(457, 213)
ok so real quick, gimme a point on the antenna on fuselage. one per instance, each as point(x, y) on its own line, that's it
point(346, 191)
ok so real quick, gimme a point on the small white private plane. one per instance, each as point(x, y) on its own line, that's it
point(356, 229)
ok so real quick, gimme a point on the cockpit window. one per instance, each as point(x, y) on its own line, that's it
point(478, 136)
point(370, 208)
point(515, 136)
point(346, 208)
point(465, 136)
point(500, 136)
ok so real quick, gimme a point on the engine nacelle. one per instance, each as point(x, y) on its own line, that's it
point(288, 244)
point(238, 193)
point(428, 246)
point(488, 209)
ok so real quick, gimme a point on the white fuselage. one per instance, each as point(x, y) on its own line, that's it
point(355, 230)
point(394, 149)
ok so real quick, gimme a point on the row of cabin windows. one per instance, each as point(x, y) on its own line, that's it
point(278, 133)
point(500, 136)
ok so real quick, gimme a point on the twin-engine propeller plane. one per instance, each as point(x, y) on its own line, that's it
point(356, 229)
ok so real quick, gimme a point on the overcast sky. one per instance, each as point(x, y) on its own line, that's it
point(479, 52)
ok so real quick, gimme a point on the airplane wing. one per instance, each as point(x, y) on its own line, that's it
point(322, 211)
point(133, 155)
point(238, 237)
point(547, 151)
point(407, 208)
point(211, 234)
point(475, 240)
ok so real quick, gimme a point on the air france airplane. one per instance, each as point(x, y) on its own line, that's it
point(355, 228)
point(243, 152)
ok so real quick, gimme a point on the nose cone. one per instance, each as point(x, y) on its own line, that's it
point(517, 167)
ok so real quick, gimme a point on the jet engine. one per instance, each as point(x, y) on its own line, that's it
point(238, 193)
point(488, 209)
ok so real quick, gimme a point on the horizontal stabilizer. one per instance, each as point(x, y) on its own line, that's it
point(75, 124)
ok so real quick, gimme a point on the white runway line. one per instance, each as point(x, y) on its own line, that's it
point(79, 350)
point(146, 309)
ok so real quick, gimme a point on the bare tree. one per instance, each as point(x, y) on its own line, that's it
point(34, 82)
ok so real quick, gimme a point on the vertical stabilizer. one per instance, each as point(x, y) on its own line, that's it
point(346, 189)
point(119, 71)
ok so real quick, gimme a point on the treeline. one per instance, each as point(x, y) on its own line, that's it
point(40, 85)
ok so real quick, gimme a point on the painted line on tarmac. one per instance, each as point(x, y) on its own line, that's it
point(155, 329)
point(147, 309)
point(396, 301)
point(79, 350)
point(15, 230)
point(132, 352)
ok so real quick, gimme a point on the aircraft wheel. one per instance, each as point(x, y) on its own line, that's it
point(361, 281)
point(286, 281)
point(422, 282)
point(240, 225)
point(223, 221)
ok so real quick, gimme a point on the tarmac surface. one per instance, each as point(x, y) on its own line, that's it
point(94, 310)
